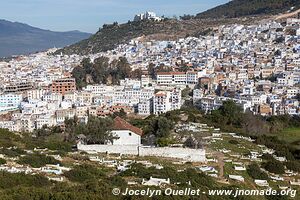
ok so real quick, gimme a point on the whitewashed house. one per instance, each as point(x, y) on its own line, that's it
point(155, 181)
point(125, 133)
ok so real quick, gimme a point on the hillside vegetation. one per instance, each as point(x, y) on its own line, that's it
point(240, 8)
point(110, 36)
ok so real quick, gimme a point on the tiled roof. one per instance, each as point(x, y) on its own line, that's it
point(121, 124)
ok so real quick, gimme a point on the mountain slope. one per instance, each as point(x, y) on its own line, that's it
point(18, 38)
point(110, 36)
point(239, 8)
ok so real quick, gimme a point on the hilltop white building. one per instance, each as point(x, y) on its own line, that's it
point(147, 16)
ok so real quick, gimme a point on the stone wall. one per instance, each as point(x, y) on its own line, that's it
point(192, 155)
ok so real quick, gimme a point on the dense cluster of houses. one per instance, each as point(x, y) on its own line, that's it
point(257, 66)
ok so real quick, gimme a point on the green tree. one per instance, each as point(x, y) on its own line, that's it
point(293, 165)
point(255, 172)
point(274, 166)
point(2, 161)
point(231, 112)
point(99, 130)
point(160, 127)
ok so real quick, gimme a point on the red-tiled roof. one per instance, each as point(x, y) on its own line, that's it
point(121, 124)
point(160, 94)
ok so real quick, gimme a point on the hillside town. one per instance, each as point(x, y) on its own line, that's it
point(256, 66)
point(217, 110)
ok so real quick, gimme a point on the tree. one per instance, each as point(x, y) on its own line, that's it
point(190, 142)
point(121, 114)
point(161, 127)
point(231, 111)
point(293, 165)
point(185, 93)
point(124, 68)
point(274, 166)
point(2, 161)
point(229, 114)
point(70, 128)
point(255, 172)
point(100, 70)
point(44, 131)
point(151, 70)
point(186, 17)
point(137, 74)
point(80, 72)
point(253, 124)
point(163, 68)
point(98, 130)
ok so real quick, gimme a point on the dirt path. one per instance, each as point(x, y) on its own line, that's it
point(220, 158)
point(283, 16)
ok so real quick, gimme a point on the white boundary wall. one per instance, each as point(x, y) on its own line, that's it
point(192, 155)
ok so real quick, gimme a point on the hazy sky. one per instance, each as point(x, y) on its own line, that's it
point(89, 15)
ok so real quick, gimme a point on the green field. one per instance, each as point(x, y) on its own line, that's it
point(290, 135)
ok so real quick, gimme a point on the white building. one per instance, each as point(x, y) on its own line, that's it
point(10, 100)
point(35, 94)
point(146, 16)
point(48, 120)
point(125, 133)
point(179, 78)
point(171, 78)
point(144, 107)
point(165, 101)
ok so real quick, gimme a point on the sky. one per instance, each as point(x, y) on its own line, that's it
point(89, 15)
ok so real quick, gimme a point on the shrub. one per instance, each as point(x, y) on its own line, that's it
point(58, 145)
point(233, 142)
point(117, 181)
point(267, 157)
point(197, 179)
point(164, 142)
point(7, 138)
point(84, 172)
point(274, 166)
point(255, 172)
point(2, 161)
point(38, 160)
point(12, 152)
point(293, 165)
point(9, 180)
